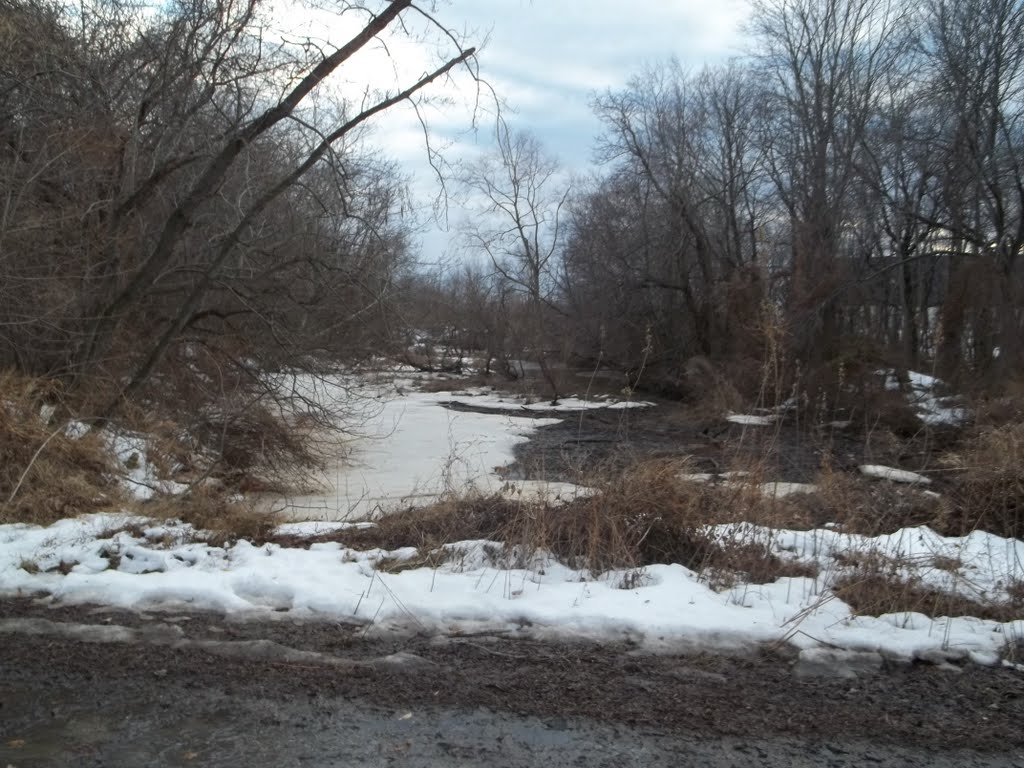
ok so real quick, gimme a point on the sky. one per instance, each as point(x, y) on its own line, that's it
point(546, 59)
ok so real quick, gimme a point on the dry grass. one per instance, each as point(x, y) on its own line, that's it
point(45, 474)
point(639, 517)
point(445, 382)
point(989, 494)
point(448, 520)
point(213, 510)
point(874, 589)
point(865, 506)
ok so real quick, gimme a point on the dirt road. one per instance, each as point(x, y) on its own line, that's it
point(90, 687)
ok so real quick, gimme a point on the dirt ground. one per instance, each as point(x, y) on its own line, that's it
point(478, 691)
point(613, 439)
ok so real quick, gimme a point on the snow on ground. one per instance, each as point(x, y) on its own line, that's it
point(548, 492)
point(780, 489)
point(137, 474)
point(980, 566)
point(735, 479)
point(140, 476)
point(883, 472)
point(922, 394)
point(663, 606)
point(413, 448)
point(484, 398)
point(750, 420)
point(318, 527)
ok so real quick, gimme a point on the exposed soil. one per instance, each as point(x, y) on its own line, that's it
point(905, 711)
point(613, 439)
point(601, 442)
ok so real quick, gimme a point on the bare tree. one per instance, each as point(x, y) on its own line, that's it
point(518, 199)
point(975, 50)
point(687, 185)
point(824, 62)
point(149, 160)
point(188, 204)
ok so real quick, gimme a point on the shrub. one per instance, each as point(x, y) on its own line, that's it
point(46, 473)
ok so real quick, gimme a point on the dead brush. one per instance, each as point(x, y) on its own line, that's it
point(876, 587)
point(647, 515)
point(867, 507)
point(989, 492)
point(430, 527)
point(207, 416)
point(452, 383)
point(45, 473)
point(639, 516)
point(214, 511)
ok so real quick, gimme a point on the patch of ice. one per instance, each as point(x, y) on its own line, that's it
point(932, 408)
point(410, 450)
point(779, 490)
point(76, 430)
point(737, 479)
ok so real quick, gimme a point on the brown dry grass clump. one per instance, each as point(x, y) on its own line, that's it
point(874, 589)
point(865, 506)
point(225, 519)
point(641, 516)
point(45, 474)
point(430, 527)
point(989, 494)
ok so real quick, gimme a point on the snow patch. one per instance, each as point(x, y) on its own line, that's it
point(482, 398)
point(883, 472)
point(750, 420)
point(660, 605)
point(319, 527)
point(923, 396)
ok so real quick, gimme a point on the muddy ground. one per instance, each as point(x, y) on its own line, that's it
point(216, 699)
point(607, 439)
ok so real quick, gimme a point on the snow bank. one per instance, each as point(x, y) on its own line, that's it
point(664, 605)
point(980, 566)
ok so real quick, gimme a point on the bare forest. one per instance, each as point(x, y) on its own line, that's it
point(193, 204)
point(331, 374)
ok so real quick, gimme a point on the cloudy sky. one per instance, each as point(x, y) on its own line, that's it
point(545, 59)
